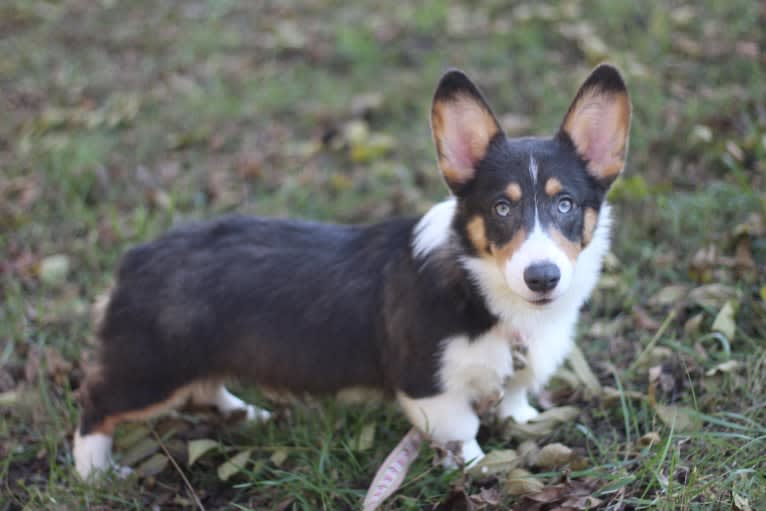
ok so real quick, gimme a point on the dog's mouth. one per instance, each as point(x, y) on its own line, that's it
point(541, 302)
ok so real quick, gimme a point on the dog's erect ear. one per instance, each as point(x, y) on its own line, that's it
point(463, 127)
point(598, 123)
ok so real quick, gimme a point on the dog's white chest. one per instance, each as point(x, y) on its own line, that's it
point(477, 367)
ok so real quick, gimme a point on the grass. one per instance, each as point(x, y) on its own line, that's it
point(121, 119)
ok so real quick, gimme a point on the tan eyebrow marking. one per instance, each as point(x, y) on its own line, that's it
point(513, 191)
point(552, 187)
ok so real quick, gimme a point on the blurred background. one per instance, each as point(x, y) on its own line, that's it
point(121, 119)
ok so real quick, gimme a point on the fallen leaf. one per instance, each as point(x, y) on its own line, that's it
point(528, 452)
point(680, 418)
point(54, 269)
point(365, 439)
point(197, 448)
point(723, 367)
point(9, 398)
point(153, 465)
point(143, 449)
point(521, 482)
point(233, 465)
point(669, 295)
point(487, 497)
point(724, 321)
point(279, 457)
point(739, 503)
point(495, 462)
point(371, 148)
point(392, 471)
point(133, 433)
point(554, 455)
point(363, 104)
point(713, 296)
point(649, 439)
point(583, 371)
point(543, 424)
point(692, 325)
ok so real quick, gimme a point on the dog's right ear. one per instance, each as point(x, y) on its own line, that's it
point(463, 127)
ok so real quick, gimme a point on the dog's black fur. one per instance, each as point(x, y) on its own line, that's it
point(310, 307)
point(291, 305)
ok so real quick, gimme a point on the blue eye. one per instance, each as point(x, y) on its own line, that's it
point(502, 208)
point(565, 205)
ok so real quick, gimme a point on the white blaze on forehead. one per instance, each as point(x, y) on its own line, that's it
point(533, 168)
point(538, 248)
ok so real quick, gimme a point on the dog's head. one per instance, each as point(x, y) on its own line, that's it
point(531, 205)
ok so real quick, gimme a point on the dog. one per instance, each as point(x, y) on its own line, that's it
point(425, 308)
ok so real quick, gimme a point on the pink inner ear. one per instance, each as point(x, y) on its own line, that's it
point(600, 137)
point(598, 132)
point(458, 146)
point(468, 128)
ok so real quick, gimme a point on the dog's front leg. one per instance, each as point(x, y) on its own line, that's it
point(515, 403)
point(448, 419)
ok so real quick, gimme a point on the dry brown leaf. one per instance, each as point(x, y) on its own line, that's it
point(554, 455)
point(528, 452)
point(143, 449)
point(279, 457)
point(724, 367)
point(197, 448)
point(583, 371)
point(680, 418)
point(153, 465)
point(234, 465)
point(649, 439)
point(669, 295)
point(713, 296)
point(495, 462)
point(521, 482)
point(543, 424)
point(739, 503)
point(724, 322)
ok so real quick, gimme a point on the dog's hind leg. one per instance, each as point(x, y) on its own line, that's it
point(105, 404)
point(215, 394)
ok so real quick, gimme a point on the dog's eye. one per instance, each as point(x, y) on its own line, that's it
point(502, 208)
point(565, 205)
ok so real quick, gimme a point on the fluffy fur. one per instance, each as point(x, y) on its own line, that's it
point(425, 309)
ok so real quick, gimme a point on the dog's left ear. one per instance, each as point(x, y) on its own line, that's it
point(598, 123)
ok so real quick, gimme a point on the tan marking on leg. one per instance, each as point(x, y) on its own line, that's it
point(589, 227)
point(504, 253)
point(552, 187)
point(571, 248)
point(513, 191)
point(176, 400)
point(478, 234)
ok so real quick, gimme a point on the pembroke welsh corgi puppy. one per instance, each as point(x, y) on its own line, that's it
point(425, 308)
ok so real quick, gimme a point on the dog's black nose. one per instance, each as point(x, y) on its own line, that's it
point(542, 277)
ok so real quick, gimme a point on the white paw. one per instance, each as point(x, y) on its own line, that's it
point(253, 413)
point(470, 454)
point(524, 413)
point(121, 471)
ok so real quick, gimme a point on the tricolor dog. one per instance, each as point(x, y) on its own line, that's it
point(424, 308)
